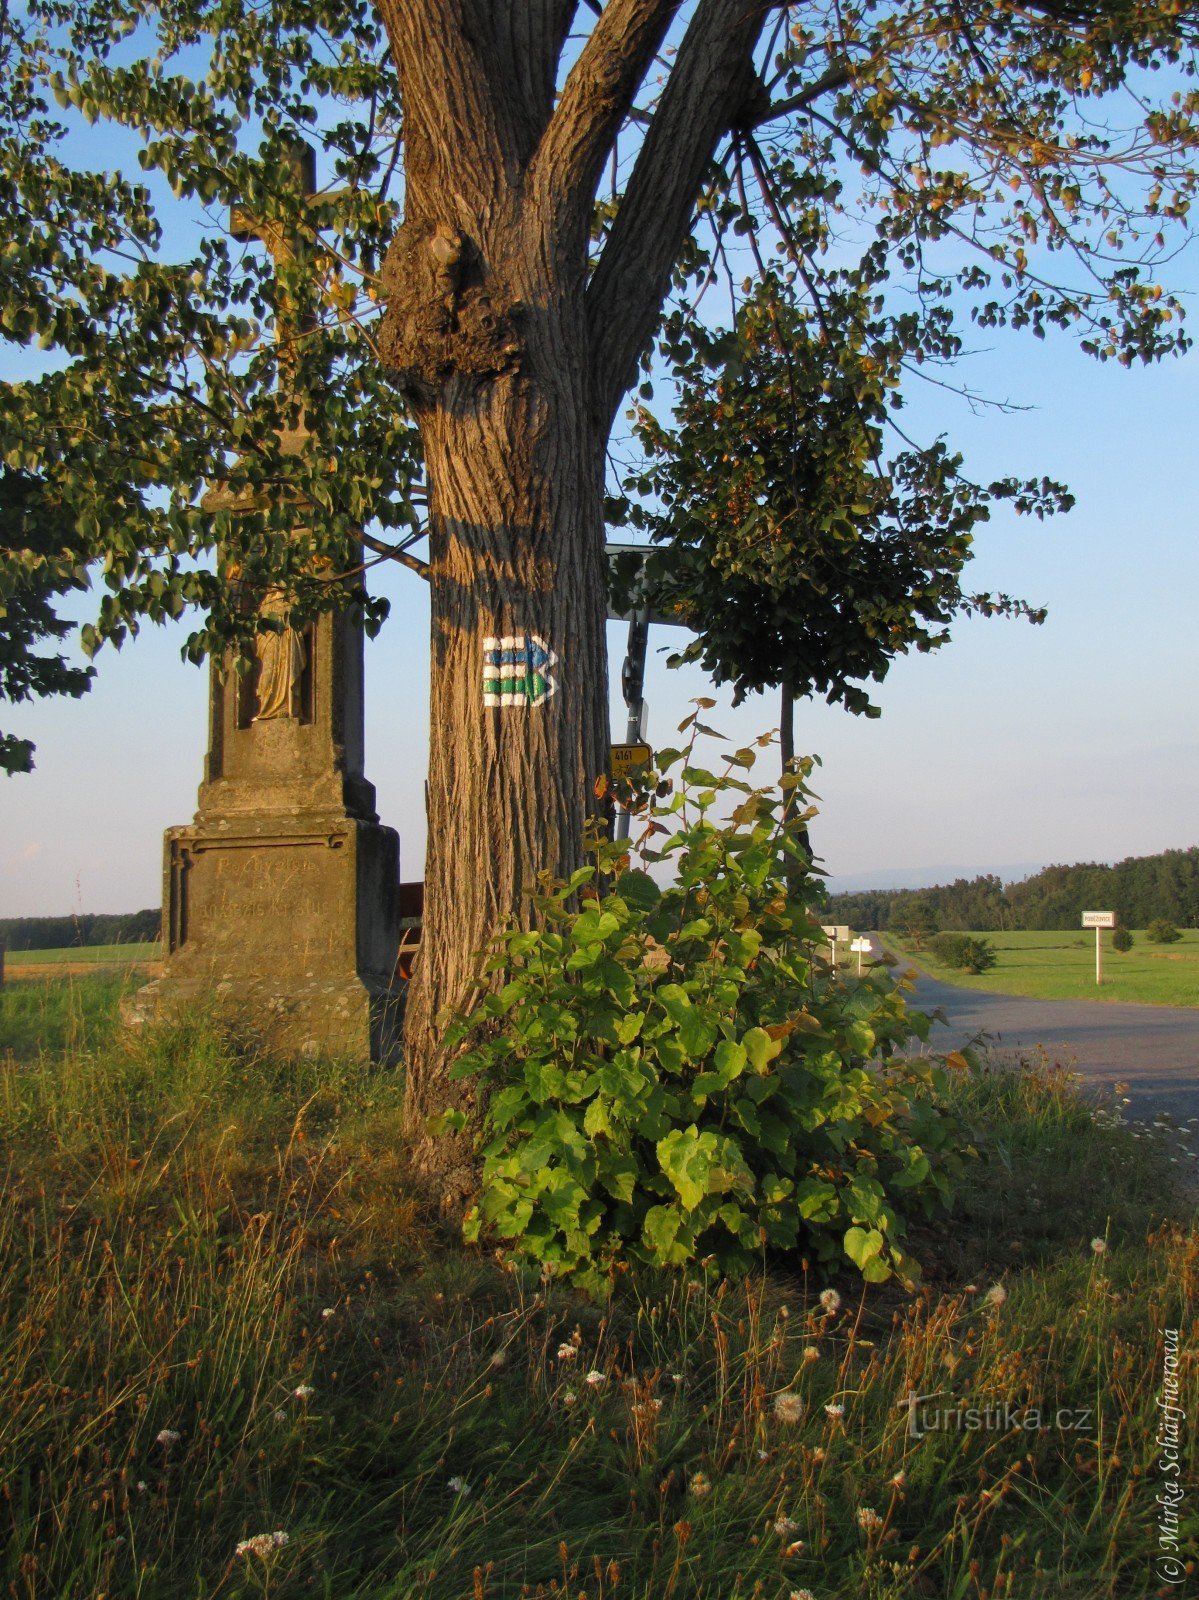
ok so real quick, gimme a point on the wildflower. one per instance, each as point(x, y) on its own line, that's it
point(1099, 1246)
point(700, 1485)
point(795, 1548)
point(280, 1416)
point(569, 1398)
point(835, 1411)
point(167, 1437)
point(970, 1288)
point(830, 1300)
point(646, 1409)
point(788, 1407)
point(801, 1594)
point(898, 1479)
point(676, 1377)
point(810, 1354)
point(763, 1455)
point(141, 1486)
point(327, 1313)
point(785, 1527)
point(868, 1519)
point(458, 1486)
point(595, 1377)
point(567, 1352)
point(262, 1544)
point(498, 1360)
point(303, 1391)
point(996, 1295)
point(818, 1454)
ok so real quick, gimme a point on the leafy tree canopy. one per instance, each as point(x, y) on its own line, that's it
point(799, 551)
point(210, 419)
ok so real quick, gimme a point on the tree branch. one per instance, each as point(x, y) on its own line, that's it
point(595, 99)
point(835, 78)
point(710, 83)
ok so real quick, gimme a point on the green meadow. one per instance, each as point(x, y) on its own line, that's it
point(92, 954)
point(226, 1313)
point(1061, 966)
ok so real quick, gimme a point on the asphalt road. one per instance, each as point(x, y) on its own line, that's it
point(1153, 1049)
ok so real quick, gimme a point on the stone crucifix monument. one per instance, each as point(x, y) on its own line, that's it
point(281, 898)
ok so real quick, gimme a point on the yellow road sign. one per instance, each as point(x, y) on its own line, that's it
point(626, 757)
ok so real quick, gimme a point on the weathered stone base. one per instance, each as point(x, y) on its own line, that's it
point(308, 1017)
point(287, 923)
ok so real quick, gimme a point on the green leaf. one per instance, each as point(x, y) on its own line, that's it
point(761, 1049)
point(638, 890)
point(863, 1245)
point(687, 1157)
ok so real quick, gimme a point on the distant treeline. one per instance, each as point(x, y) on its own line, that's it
point(61, 933)
point(1137, 890)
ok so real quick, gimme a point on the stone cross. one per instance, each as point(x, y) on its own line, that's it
point(281, 896)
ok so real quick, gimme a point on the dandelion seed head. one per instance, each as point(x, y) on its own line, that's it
point(830, 1300)
point(167, 1437)
point(700, 1485)
point(788, 1407)
point(1099, 1246)
point(811, 1353)
point(835, 1411)
point(996, 1294)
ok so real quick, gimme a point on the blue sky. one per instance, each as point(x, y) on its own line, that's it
point(1012, 746)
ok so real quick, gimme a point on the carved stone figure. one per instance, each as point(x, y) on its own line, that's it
point(282, 658)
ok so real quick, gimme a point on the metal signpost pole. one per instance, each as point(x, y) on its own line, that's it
point(632, 683)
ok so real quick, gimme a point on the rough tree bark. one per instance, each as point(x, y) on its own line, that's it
point(515, 361)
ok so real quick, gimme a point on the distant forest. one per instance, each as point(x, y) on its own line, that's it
point(61, 933)
point(1137, 890)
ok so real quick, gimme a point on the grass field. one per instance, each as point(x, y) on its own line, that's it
point(89, 954)
point(224, 1313)
point(1061, 966)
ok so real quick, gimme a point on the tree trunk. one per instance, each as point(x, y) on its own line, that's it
point(514, 361)
point(517, 552)
point(787, 755)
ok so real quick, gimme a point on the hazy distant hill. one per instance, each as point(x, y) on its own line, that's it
point(1137, 890)
point(919, 877)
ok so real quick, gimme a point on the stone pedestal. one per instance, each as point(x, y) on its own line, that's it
point(281, 899)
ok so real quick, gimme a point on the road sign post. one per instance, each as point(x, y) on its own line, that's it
point(1099, 920)
point(632, 676)
point(834, 931)
point(862, 948)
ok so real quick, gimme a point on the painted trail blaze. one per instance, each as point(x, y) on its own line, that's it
point(516, 670)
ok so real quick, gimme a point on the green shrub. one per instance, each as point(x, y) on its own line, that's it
point(1121, 939)
point(963, 952)
point(1162, 931)
point(672, 1079)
